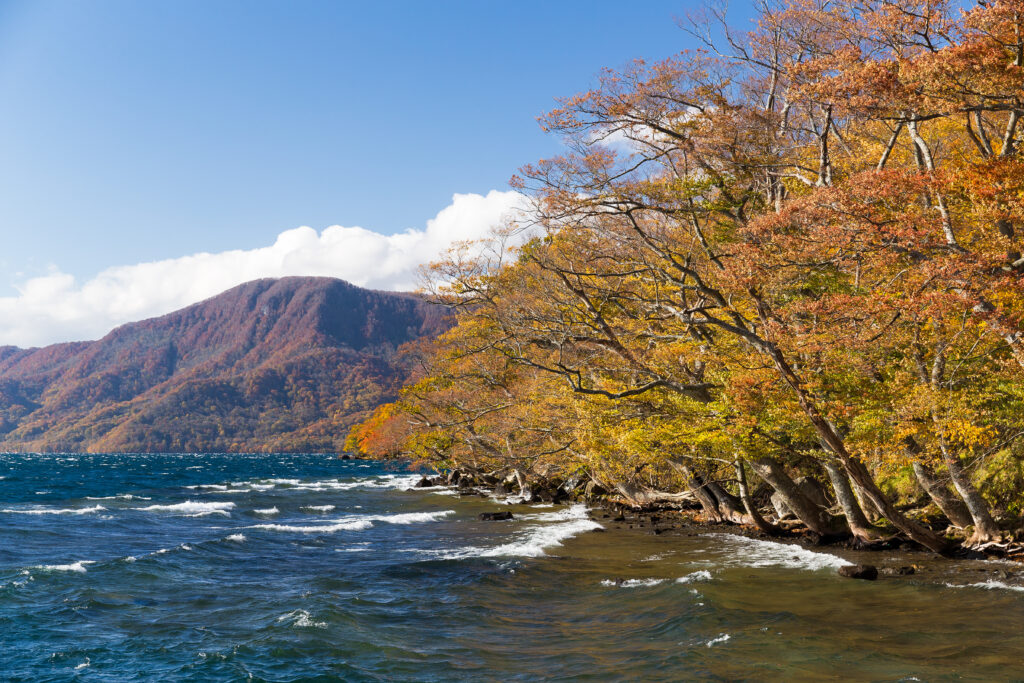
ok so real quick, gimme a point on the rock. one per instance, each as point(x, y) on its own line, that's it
point(423, 483)
point(897, 571)
point(345, 456)
point(494, 516)
point(867, 572)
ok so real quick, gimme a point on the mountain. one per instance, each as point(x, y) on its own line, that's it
point(283, 365)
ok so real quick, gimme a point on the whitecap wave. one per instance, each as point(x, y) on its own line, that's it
point(192, 508)
point(73, 567)
point(410, 517)
point(353, 525)
point(318, 508)
point(266, 511)
point(237, 538)
point(991, 584)
point(356, 523)
point(164, 551)
point(534, 541)
point(702, 575)
point(300, 618)
point(53, 511)
point(631, 583)
point(752, 552)
point(721, 638)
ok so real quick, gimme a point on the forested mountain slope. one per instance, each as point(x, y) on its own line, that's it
point(272, 365)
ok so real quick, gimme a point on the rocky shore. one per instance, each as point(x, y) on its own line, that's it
point(887, 559)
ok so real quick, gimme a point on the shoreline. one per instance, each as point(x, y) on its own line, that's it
point(894, 559)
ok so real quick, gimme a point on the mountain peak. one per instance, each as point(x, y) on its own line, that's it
point(274, 364)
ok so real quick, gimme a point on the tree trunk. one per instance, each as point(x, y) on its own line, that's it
point(755, 515)
point(639, 497)
point(700, 491)
point(729, 506)
point(951, 506)
point(985, 528)
point(870, 510)
point(860, 476)
point(855, 518)
point(816, 519)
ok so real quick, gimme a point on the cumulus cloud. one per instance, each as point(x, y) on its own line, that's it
point(55, 307)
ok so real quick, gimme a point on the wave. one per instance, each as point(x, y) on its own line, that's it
point(722, 637)
point(357, 523)
point(73, 567)
point(704, 574)
point(52, 511)
point(120, 496)
point(192, 508)
point(164, 551)
point(632, 583)
point(237, 538)
point(300, 618)
point(410, 517)
point(266, 511)
point(752, 552)
point(353, 525)
point(318, 508)
point(533, 542)
point(991, 584)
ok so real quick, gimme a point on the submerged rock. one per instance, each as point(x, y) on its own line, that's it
point(897, 571)
point(495, 516)
point(868, 572)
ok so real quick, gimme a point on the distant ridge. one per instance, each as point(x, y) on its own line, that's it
point(283, 365)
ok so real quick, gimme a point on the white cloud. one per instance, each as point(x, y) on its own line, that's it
point(55, 307)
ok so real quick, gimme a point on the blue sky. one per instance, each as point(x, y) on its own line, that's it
point(138, 131)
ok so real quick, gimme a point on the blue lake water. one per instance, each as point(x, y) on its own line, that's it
point(304, 567)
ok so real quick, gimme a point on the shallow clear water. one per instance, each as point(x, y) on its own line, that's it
point(287, 568)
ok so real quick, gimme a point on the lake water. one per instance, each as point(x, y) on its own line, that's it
point(303, 567)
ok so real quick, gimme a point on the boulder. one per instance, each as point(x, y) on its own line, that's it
point(495, 516)
point(423, 483)
point(868, 572)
